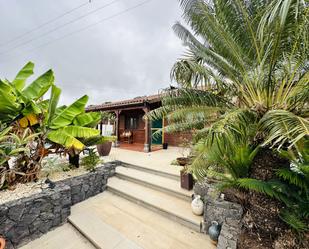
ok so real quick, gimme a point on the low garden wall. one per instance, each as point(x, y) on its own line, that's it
point(28, 218)
point(227, 214)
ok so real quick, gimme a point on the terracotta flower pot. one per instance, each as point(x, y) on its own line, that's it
point(104, 149)
point(2, 243)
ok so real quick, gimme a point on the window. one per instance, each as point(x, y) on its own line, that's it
point(131, 122)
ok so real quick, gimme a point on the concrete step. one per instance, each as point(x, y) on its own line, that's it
point(160, 183)
point(166, 172)
point(100, 234)
point(146, 228)
point(165, 204)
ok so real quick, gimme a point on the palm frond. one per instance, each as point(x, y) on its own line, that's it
point(284, 127)
point(293, 220)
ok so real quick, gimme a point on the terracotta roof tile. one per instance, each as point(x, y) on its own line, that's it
point(113, 105)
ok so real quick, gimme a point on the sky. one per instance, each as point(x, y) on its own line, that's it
point(128, 53)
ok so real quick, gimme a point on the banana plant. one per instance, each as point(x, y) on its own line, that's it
point(17, 153)
point(21, 102)
point(65, 126)
point(71, 126)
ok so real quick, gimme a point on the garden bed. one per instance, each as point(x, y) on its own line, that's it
point(27, 218)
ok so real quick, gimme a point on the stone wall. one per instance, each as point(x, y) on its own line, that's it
point(28, 218)
point(227, 214)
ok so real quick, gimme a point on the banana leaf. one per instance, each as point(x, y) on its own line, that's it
point(90, 119)
point(67, 116)
point(59, 110)
point(21, 77)
point(53, 102)
point(68, 136)
point(31, 108)
point(80, 132)
point(66, 140)
point(9, 106)
point(39, 87)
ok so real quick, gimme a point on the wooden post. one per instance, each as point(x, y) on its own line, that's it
point(101, 128)
point(117, 142)
point(147, 144)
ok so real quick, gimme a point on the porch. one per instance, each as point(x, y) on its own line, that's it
point(138, 147)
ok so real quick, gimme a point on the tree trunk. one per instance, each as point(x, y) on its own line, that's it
point(74, 160)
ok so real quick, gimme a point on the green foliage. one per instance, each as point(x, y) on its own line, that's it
point(90, 161)
point(291, 188)
point(53, 165)
point(38, 127)
point(243, 83)
point(292, 219)
point(108, 116)
point(17, 155)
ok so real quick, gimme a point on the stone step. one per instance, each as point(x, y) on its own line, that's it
point(160, 183)
point(100, 234)
point(146, 228)
point(169, 173)
point(165, 204)
point(55, 239)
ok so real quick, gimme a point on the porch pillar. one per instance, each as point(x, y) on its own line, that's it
point(101, 128)
point(147, 144)
point(117, 142)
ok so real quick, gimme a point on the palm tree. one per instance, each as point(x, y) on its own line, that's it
point(243, 82)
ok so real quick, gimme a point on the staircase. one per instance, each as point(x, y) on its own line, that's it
point(156, 190)
point(143, 207)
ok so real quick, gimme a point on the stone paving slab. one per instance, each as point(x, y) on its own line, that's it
point(153, 180)
point(64, 237)
point(158, 160)
point(102, 235)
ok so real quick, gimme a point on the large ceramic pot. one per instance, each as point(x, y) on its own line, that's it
point(104, 149)
point(197, 205)
point(214, 231)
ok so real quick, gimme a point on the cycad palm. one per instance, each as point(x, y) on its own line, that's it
point(251, 55)
point(244, 80)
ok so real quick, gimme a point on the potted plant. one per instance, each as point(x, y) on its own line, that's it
point(186, 178)
point(105, 148)
point(184, 147)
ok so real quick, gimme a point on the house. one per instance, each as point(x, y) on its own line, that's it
point(132, 129)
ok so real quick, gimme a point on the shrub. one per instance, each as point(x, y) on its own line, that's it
point(90, 161)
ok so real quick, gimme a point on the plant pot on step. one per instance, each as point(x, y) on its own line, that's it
point(165, 145)
point(186, 180)
point(182, 161)
point(104, 149)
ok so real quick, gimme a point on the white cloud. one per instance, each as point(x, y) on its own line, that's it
point(129, 55)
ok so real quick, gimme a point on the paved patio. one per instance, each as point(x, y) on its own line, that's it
point(158, 160)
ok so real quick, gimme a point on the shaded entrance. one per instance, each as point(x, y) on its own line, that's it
point(155, 126)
